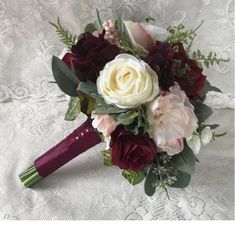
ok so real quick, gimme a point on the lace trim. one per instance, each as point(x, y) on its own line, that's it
point(44, 90)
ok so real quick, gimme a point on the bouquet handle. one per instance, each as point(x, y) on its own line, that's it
point(79, 141)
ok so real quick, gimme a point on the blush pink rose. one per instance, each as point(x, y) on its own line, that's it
point(105, 124)
point(143, 35)
point(172, 118)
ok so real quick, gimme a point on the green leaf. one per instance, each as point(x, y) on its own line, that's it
point(88, 88)
point(150, 182)
point(73, 110)
point(202, 111)
point(64, 77)
point(91, 27)
point(99, 23)
point(140, 124)
point(87, 103)
point(127, 118)
point(184, 161)
point(103, 108)
point(208, 87)
point(133, 177)
point(182, 181)
point(107, 158)
point(123, 33)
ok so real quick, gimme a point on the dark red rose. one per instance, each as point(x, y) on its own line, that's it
point(191, 80)
point(131, 151)
point(160, 58)
point(90, 55)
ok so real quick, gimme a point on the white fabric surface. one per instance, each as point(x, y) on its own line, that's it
point(32, 111)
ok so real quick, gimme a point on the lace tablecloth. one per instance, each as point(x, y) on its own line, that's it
point(32, 112)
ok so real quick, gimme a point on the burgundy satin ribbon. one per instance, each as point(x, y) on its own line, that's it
point(76, 143)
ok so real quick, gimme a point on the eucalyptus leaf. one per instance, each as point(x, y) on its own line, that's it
point(185, 161)
point(73, 110)
point(126, 118)
point(91, 27)
point(208, 87)
point(103, 108)
point(150, 182)
point(182, 181)
point(88, 88)
point(64, 77)
point(202, 111)
point(87, 103)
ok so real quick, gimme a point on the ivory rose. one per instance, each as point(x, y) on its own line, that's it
point(105, 124)
point(143, 35)
point(172, 119)
point(127, 82)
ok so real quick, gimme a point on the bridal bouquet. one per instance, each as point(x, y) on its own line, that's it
point(142, 90)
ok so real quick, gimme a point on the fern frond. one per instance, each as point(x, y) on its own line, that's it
point(65, 36)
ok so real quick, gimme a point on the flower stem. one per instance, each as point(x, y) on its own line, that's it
point(30, 176)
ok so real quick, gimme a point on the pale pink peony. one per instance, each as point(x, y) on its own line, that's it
point(104, 124)
point(172, 118)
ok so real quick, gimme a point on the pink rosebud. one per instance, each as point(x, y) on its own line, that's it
point(139, 37)
point(104, 124)
point(143, 35)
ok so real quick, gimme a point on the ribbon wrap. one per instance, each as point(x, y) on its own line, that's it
point(80, 140)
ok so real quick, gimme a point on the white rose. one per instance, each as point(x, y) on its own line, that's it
point(206, 135)
point(127, 82)
point(194, 143)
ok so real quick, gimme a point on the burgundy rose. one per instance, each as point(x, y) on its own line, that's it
point(131, 151)
point(160, 58)
point(191, 80)
point(89, 56)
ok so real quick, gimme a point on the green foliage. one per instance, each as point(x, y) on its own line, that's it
point(182, 179)
point(64, 77)
point(88, 88)
point(107, 158)
point(184, 161)
point(208, 87)
point(103, 108)
point(133, 177)
point(161, 174)
point(202, 111)
point(73, 110)
point(139, 123)
point(87, 103)
point(178, 34)
point(208, 60)
point(150, 182)
point(202, 126)
point(97, 25)
point(65, 36)
point(134, 120)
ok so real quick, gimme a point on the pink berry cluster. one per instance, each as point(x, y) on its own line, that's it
point(111, 33)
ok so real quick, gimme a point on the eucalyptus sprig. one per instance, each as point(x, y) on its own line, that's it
point(64, 34)
point(208, 60)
